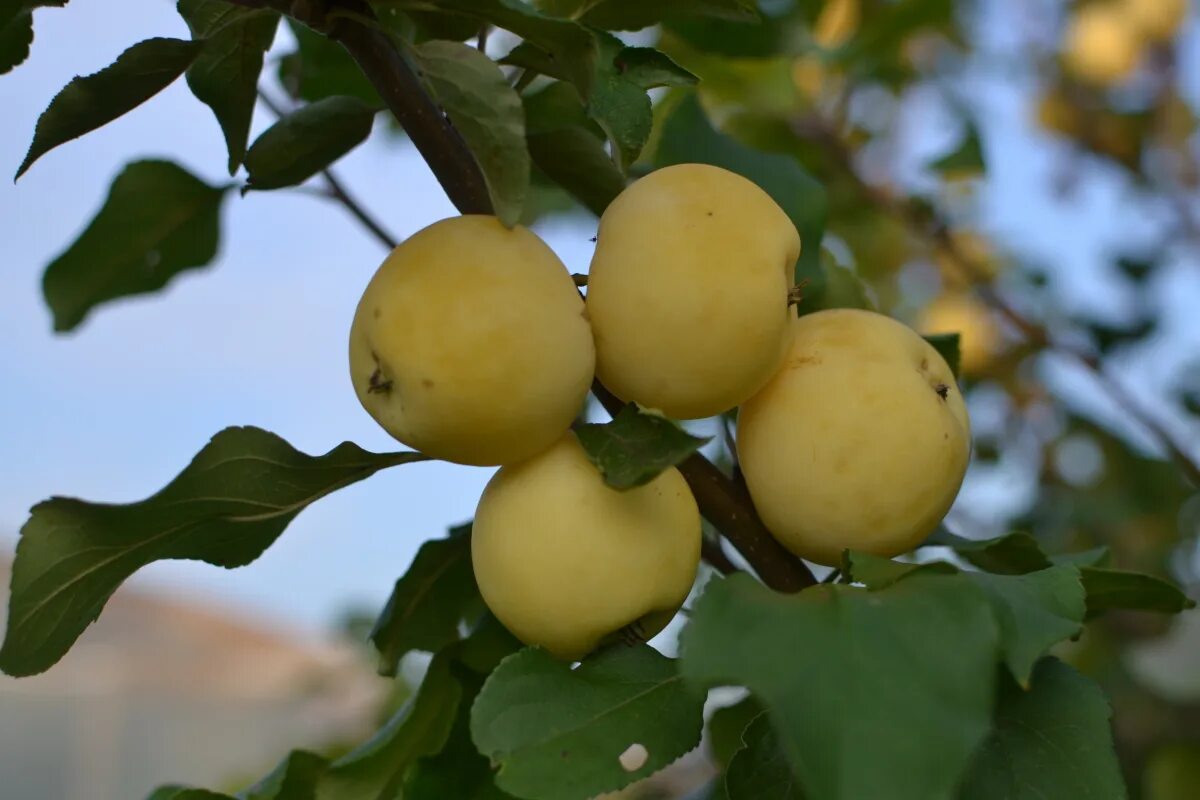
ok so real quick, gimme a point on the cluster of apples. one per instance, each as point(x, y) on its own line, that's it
point(472, 344)
point(1107, 39)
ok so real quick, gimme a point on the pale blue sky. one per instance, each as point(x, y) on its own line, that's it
point(113, 410)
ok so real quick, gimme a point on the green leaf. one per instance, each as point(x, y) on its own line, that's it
point(569, 148)
point(648, 68)
point(948, 347)
point(225, 75)
point(1053, 741)
point(16, 29)
point(375, 769)
point(631, 15)
point(157, 221)
point(307, 141)
point(619, 105)
point(87, 103)
point(225, 508)
point(488, 113)
point(320, 68)
point(872, 694)
point(1034, 612)
point(568, 44)
point(428, 602)
point(688, 136)
point(1011, 554)
point(1113, 589)
point(1095, 557)
point(760, 771)
point(294, 779)
point(185, 793)
point(636, 446)
point(726, 726)
point(967, 157)
point(558, 733)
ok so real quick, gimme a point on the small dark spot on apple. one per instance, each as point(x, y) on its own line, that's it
point(710, 213)
point(428, 384)
point(924, 364)
point(943, 391)
point(377, 313)
point(378, 384)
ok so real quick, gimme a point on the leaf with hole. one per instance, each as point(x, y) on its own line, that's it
point(560, 734)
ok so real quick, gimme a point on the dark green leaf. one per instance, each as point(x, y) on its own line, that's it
point(375, 770)
point(157, 221)
point(569, 148)
point(1053, 741)
point(225, 75)
point(966, 158)
point(428, 602)
point(1113, 589)
point(647, 68)
point(89, 102)
point(307, 141)
point(558, 733)
point(636, 446)
point(225, 508)
point(726, 727)
point(185, 793)
point(294, 779)
point(760, 771)
point(688, 136)
point(948, 347)
point(320, 68)
point(488, 113)
point(1012, 554)
point(872, 694)
point(1096, 557)
point(631, 15)
point(1034, 611)
point(569, 44)
point(619, 105)
point(16, 29)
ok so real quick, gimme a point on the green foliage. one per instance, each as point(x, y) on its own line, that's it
point(636, 446)
point(1110, 589)
point(16, 29)
point(558, 733)
point(966, 158)
point(428, 603)
point(320, 68)
point(948, 347)
point(225, 508)
point(291, 779)
point(489, 115)
point(157, 221)
point(225, 75)
point(759, 770)
point(1050, 741)
point(872, 694)
point(726, 725)
point(569, 148)
point(688, 136)
point(89, 102)
point(631, 15)
point(308, 140)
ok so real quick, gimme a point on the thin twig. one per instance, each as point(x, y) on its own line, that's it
point(338, 192)
point(712, 553)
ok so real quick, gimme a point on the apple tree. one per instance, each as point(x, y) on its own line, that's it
point(964, 664)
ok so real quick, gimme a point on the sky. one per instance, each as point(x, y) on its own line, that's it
point(113, 410)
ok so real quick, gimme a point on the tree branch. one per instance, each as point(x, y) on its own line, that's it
point(723, 503)
point(338, 192)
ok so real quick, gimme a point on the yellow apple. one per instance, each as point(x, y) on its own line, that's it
point(979, 337)
point(1102, 47)
point(1157, 20)
point(861, 441)
point(567, 563)
point(471, 343)
point(687, 292)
